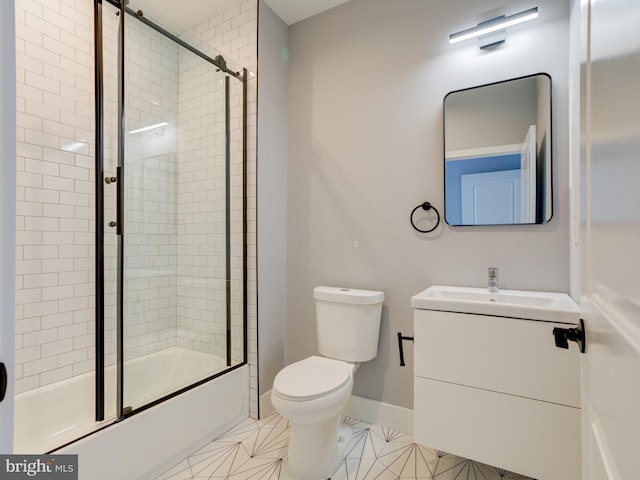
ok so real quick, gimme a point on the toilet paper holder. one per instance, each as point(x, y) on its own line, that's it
point(400, 347)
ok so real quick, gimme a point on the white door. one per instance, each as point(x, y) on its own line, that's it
point(528, 165)
point(491, 198)
point(610, 238)
point(7, 215)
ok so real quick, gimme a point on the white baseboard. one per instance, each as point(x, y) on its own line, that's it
point(266, 408)
point(380, 413)
point(363, 409)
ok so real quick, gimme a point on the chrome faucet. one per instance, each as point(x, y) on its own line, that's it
point(493, 279)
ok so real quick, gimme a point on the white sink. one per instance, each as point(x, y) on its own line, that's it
point(547, 306)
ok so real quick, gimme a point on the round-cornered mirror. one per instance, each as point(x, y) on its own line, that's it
point(497, 153)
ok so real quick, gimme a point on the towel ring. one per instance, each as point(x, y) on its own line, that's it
point(425, 206)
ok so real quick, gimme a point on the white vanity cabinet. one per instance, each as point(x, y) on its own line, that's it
point(497, 390)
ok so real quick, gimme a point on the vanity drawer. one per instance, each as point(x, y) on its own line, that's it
point(500, 354)
point(529, 437)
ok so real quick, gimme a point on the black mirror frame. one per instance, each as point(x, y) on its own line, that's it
point(551, 157)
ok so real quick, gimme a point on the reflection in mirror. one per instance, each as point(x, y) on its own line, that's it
point(497, 161)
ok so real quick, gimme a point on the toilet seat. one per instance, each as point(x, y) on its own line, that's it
point(312, 378)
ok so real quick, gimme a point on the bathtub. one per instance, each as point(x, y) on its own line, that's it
point(147, 443)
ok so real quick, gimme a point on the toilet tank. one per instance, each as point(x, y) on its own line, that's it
point(348, 322)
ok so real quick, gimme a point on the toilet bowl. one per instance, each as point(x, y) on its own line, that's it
point(312, 394)
point(313, 389)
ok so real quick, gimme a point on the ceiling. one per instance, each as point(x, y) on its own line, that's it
point(292, 11)
point(180, 16)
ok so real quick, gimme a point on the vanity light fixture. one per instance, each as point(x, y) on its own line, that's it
point(493, 26)
point(150, 127)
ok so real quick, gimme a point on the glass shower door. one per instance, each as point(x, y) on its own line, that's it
point(176, 202)
point(111, 315)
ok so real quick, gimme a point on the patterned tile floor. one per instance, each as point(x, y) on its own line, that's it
point(257, 450)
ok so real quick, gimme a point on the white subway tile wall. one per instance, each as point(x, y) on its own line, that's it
point(55, 296)
point(151, 197)
point(175, 191)
point(234, 33)
point(202, 304)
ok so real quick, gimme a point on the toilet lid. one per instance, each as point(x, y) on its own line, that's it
point(311, 378)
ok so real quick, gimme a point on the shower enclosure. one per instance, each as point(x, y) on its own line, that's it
point(132, 224)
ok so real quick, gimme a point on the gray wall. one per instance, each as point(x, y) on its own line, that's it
point(7, 212)
point(272, 194)
point(366, 83)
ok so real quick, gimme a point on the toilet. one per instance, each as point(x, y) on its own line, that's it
point(313, 392)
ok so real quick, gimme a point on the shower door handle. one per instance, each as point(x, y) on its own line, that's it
point(4, 380)
point(119, 209)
